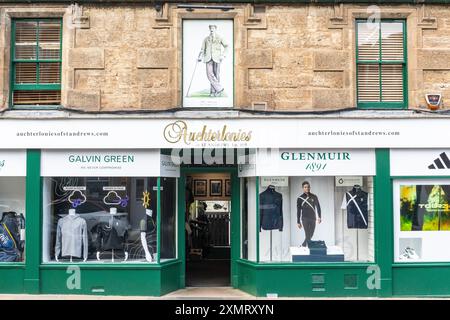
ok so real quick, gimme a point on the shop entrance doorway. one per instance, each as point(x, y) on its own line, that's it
point(208, 229)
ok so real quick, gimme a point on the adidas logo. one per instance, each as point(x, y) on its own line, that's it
point(443, 162)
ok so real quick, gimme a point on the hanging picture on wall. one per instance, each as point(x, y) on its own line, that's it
point(208, 63)
point(228, 188)
point(215, 188)
point(200, 188)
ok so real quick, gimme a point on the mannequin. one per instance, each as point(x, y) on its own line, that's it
point(356, 203)
point(113, 213)
point(308, 212)
point(72, 213)
point(143, 228)
point(271, 212)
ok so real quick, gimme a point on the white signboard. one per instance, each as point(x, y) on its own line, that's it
point(423, 162)
point(208, 63)
point(169, 166)
point(106, 163)
point(155, 133)
point(348, 181)
point(274, 181)
point(314, 162)
point(13, 163)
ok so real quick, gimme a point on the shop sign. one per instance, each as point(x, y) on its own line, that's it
point(274, 181)
point(13, 163)
point(223, 132)
point(179, 131)
point(348, 181)
point(106, 163)
point(169, 166)
point(424, 162)
point(313, 162)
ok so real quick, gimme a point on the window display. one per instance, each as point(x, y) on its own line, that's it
point(422, 215)
point(101, 219)
point(310, 205)
point(314, 219)
point(168, 218)
point(12, 205)
point(12, 219)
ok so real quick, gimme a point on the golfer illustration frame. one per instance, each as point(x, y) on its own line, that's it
point(194, 78)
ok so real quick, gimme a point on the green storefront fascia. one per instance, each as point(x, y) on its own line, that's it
point(285, 280)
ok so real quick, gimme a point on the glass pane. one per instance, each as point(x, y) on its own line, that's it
point(168, 218)
point(25, 36)
point(244, 215)
point(392, 41)
point(99, 219)
point(25, 73)
point(392, 83)
point(49, 72)
point(368, 41)
point(314, 219)
point(12, 218)
point(422, 220)
point(49, 40)
point(368, 83)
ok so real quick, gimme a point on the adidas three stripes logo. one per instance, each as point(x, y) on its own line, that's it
point(443, 162)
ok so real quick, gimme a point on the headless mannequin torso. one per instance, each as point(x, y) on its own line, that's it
point(72, 212)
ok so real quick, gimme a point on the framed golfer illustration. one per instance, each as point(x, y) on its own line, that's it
point(208, 63)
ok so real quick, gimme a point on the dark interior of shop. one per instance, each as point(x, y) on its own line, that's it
point(208, 205)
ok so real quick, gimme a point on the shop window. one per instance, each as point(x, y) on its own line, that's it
point(12, 218)
point(248, 229)
point(381, 64)
point(422, 220)
point(315, 219)
point(105, 219)
point(36, 62)
point(168, 218)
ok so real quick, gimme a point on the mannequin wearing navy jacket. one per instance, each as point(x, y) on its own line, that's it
point(271, 209)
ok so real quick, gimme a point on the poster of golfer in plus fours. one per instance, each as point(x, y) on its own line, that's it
point(208, 63)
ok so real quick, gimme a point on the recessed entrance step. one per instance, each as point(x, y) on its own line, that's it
point(204, 293)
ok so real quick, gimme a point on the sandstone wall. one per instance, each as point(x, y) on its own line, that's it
point(286, 57)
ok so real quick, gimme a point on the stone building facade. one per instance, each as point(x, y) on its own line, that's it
point(101, 111)
point(287, 57)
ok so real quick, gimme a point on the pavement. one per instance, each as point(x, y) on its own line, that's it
point(192, 293)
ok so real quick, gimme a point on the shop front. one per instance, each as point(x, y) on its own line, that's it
point(108, 222)
point(421, 198)
point(12, 220)
point(293, 220)
point(308, 222)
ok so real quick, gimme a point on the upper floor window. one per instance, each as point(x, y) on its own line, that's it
point(381, 64)
point(36, 62)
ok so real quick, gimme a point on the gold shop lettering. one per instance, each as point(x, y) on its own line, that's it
point(179, 131)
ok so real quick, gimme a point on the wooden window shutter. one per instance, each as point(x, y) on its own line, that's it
point(37, 62)
point(380, 62)
point(368, 83)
